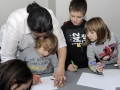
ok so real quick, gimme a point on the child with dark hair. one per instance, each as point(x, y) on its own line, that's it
point(14, 75)
point(75, 36)
point(102, 43)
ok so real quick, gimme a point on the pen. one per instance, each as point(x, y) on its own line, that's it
point(73, 64)
point(117, 65)
point(95, 64)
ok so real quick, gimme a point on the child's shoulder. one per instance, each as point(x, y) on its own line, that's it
point(28, 49)
point(66, 24)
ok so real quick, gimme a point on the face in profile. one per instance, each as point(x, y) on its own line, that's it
point(76, 17)
point(42, 52)
point(22, 87)
point(92, 35)
point(39, 35)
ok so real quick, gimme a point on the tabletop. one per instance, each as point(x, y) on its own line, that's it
point(72, 78)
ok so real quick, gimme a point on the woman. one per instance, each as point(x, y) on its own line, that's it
point(26, 25)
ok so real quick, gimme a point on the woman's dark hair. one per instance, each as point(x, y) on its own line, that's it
point(14, 72)
point(39, 19)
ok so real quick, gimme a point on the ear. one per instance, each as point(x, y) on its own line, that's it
point(13, 85)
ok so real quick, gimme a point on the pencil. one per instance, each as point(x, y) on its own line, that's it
point(73, 64)
point(36, 77)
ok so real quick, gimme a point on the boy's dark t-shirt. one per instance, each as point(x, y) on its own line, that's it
point(75, 38)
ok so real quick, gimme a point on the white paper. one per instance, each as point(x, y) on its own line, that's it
point(113, 76)
point(47, 84)
point(95, 81)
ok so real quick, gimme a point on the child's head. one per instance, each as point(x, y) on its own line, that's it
point(96, 30)
point(77, 10)
point(47, 46)
point(15, 74)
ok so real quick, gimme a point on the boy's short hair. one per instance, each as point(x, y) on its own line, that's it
point(50, 44)
point(78, 5)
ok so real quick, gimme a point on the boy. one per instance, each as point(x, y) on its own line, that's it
point(75, 36)
point(42, 58)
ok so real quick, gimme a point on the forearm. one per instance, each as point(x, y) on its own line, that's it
point(62, 57)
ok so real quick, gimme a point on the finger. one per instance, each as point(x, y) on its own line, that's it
point(37, 77)
point(61, 85)
point(72, 69)
point(100, 69)
point(60, 81)
point(55, 82)
point(40, 80)
point(119, 66)
point(64, 78)
point(74, 66)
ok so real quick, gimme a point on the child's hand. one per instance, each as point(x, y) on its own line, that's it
point(118, 62)
point(72, 67)
point(36, 79)
point(100, 66)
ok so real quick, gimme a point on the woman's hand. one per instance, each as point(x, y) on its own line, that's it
point(60, 79)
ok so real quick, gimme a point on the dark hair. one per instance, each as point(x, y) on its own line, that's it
point(78, 5)
point(14, 70)
point(97, 24)
point(39, 19)
point(49, 44)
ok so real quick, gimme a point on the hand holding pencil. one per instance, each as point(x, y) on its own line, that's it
point(36, 79)
point(100, 67)
point(118, 62)
point(72, 67)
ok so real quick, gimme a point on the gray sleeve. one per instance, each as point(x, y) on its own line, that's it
point(118, 44)
point(54, 61)
point(22, 56)
point(91, 57)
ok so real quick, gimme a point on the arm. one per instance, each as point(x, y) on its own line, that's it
point(22, 56)
point(62, 56)
point(9, 42)
point(54, 61)
point(118, 44)
point(59, 74)
point(91, 57)
point(118, 48)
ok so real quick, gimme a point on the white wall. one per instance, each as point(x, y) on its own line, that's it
point(108, 10)
point(52, 6)
point(8, 6)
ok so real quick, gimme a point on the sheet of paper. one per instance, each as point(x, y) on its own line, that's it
point(113, 76)
point(95, 81)
point(47, 84)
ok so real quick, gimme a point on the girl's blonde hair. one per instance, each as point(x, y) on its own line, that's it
point(97, 24)
point(50, 44)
